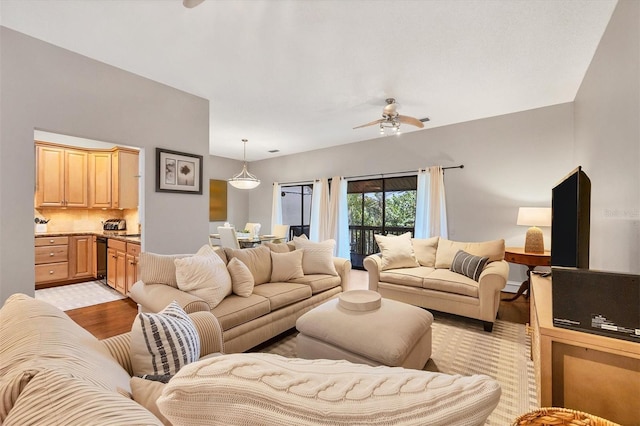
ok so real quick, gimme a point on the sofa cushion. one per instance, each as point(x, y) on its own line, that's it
point(164, 342)
point(425, 250)
point(286, 266)
point(146, 392)
point(204, 275)
point(397, 251)
point(35, 335)
point(159, 268)
point(269, 389)
point(10, 388)
point(413, 277)
point(283, 294)
point(54, 397)
point(235, 310)
point(257, 259)
point(317, 257)
point(280, 247)
point(447, 249)
point(468, 265)
point(242, 281)
point(451, 282)
point(319, 282)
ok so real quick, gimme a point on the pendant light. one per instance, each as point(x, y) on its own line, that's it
point(244, 179)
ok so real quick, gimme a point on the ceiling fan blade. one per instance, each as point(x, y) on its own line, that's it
point(410, 120)
point(372, 123)
point(191, 3)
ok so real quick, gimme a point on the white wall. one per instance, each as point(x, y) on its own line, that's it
point(607, 131)
point(48, 88)
point(509, 161)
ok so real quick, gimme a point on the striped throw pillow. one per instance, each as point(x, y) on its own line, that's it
point(164, 342)
point(468, 264)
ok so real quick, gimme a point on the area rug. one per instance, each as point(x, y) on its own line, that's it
point(461, 346)
point(75, 296)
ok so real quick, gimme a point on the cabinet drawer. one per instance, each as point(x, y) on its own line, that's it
point(53, 254)
point(133, 249)
point(52, 272)
point(51, 241)
point(117, 245)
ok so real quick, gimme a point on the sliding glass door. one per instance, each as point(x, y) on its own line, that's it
point(296, 208)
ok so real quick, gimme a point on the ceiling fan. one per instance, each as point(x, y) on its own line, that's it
point(392, 120)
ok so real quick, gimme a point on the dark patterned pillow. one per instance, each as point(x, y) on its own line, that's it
point(468, 264)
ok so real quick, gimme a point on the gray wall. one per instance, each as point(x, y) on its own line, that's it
point(509, 161)
point(607, 132)
point(52, 89)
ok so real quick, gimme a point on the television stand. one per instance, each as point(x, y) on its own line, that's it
point(582, 371)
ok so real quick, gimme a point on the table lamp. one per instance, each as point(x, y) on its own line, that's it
point(534, 217)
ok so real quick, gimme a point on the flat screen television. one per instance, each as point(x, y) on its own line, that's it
point(570, 220)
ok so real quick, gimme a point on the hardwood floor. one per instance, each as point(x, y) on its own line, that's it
point(113, 318)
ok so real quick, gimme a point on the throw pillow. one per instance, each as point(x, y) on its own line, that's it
point(279, 247)
point(468, 265)
point(425, 250)
point(164, 342)
point(205, 276)
point(241, 279)
point(257, 259)
point(146, 393)
point(317, 258)
point(397, 251)
point(286, 266)
point(159, 268)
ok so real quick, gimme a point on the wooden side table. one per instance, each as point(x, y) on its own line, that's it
point(530, 260)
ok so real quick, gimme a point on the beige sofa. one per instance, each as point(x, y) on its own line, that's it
point(271, 309)
point(428, 280)
point(53, 372)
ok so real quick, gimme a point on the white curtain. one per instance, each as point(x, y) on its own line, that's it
point(319, 225)
point(276, 206)
point(339, 217)
point(431, 208)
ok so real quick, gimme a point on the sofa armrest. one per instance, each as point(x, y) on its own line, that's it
point(343, 267)
point(373, 265)
point(156, 297)
point(494, 274)
point(206, 323)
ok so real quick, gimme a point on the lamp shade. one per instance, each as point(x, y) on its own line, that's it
point(534, 216)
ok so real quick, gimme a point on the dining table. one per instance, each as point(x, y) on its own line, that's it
point(245, 242)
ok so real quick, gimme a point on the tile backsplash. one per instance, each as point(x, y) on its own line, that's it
point(84, 220)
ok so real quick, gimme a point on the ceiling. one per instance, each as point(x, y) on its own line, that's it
point(295, 76)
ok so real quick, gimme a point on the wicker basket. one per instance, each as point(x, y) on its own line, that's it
point(560, 416)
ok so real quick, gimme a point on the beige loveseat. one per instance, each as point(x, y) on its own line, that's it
point(53, 372)
point(272, 307)
point(418, 272)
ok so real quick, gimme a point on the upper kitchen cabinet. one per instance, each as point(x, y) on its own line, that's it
point(125, 175)
point(61, 177)
point(86, 177)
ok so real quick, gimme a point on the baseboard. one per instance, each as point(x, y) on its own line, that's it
point(512, 287)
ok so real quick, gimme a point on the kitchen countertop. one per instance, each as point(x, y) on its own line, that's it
point(129, 239)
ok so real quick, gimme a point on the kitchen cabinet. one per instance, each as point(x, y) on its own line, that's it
point(51, 259)
point(124, 178)
point(100, 179)
point(61, 179)
point(132, 259)
point(81, 258)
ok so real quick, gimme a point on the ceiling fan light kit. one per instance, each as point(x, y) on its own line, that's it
point(244, 179)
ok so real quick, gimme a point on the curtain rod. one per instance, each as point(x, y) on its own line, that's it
point(461, 166)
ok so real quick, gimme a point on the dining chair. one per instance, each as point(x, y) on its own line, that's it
point(253, 228)
point(228, 237)
point(281, 231)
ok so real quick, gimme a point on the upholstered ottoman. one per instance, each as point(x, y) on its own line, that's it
point(394, 334)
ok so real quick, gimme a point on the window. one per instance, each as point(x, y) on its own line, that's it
point(379, 206)
point(296, 208)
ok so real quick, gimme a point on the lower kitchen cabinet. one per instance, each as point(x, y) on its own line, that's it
point(81, 263)
point(51, 260)
point(122, 262)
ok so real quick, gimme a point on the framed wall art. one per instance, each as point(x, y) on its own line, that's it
point(178, 172)
point(217, 200)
